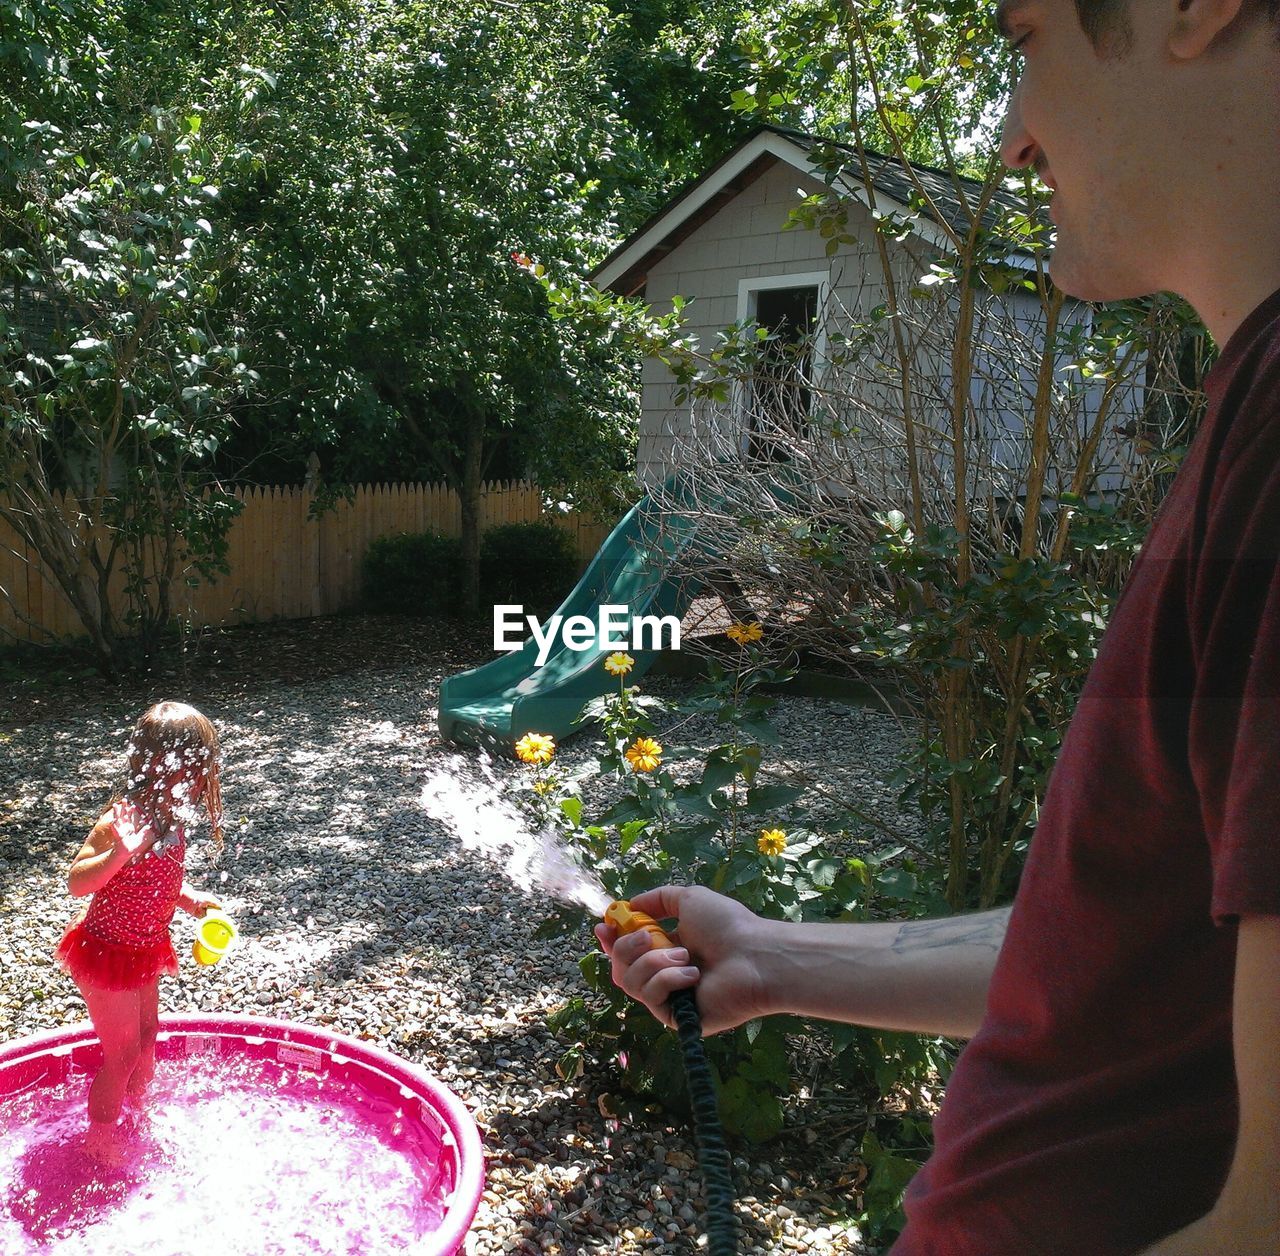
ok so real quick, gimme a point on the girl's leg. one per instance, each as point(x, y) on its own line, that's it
point(115, 1020)
point(148, 1027)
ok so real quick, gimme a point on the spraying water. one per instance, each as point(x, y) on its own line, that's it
point(485, 819)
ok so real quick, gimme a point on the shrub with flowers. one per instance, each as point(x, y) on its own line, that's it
point(720, 818)
point(535, 748)
point(644, 754)
point(619, 664)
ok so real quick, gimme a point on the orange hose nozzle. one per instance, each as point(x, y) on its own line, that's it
point(625, 919)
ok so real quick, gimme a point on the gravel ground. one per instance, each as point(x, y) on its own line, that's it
point(360, 913)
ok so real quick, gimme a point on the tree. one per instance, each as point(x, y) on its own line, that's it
point(322, 200)
point(996, 595)
point(670, 67)
point(973, 568)
point(412, 153)
point(115, 372)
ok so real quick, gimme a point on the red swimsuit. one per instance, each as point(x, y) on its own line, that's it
point(121, 941)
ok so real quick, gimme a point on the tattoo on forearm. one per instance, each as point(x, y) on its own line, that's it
point(986, 929)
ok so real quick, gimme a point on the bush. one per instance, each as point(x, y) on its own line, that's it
point(721, 818)
point(416, 573)
point(997, 659)
point(527, 564)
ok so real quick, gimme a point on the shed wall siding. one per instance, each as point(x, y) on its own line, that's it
point(746, 241)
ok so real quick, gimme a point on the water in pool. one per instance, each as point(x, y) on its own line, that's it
point(234, 1156)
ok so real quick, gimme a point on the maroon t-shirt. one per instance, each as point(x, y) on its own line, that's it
point(1095, 1110)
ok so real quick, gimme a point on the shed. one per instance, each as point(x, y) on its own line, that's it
point(721, 244)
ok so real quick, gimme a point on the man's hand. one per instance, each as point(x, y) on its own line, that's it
point(719, 944)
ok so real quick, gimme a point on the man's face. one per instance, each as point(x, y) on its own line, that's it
point(1095, 125)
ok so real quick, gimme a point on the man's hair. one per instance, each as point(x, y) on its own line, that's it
point(1106, 22)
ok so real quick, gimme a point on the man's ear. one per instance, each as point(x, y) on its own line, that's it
point(1198, 23)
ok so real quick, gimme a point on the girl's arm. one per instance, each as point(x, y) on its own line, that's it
point(193, 902)
point(103, 854)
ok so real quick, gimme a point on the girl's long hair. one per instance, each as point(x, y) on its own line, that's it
point(171, 736)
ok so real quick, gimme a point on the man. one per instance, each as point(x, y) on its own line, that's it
point(1121, 1089)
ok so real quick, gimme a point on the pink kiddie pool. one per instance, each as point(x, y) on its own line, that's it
point(259, 1136)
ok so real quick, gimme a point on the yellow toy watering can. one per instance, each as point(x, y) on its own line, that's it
point(216, 934)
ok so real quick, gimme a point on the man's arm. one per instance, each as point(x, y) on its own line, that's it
point(926, 976)
point(1246, 1219)
point(920, 976)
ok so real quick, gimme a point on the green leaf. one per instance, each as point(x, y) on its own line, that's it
point(690, 798)
point(741, 869)
point(750, 1111)
point(720, 770)
point(761, 730)
point(823, 872)
point(896, 883)
point(595, 972)
point(626, 808)
point(770, 798)
point(886, 1182)
point(630, 833)
point(768, 1063)
point(749, 758)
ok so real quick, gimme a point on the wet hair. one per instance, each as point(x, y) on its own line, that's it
point(172, 736)
point(1106, 22)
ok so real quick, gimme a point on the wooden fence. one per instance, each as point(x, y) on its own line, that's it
point(283, 564)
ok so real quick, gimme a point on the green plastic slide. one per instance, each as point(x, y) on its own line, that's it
point(512, 695)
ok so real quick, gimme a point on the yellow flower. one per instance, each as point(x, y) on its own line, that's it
point(771, 842)
point(644, 754)
point(619, 664)
point(543, 788)
point(744, 633)
point(535, 748)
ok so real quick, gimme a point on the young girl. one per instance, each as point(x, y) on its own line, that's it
point(132, 864)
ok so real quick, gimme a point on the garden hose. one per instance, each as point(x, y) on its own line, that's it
point(713, 1152)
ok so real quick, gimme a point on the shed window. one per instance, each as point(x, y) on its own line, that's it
point(780, 399)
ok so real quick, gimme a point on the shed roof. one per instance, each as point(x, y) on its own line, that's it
point(626, 269)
